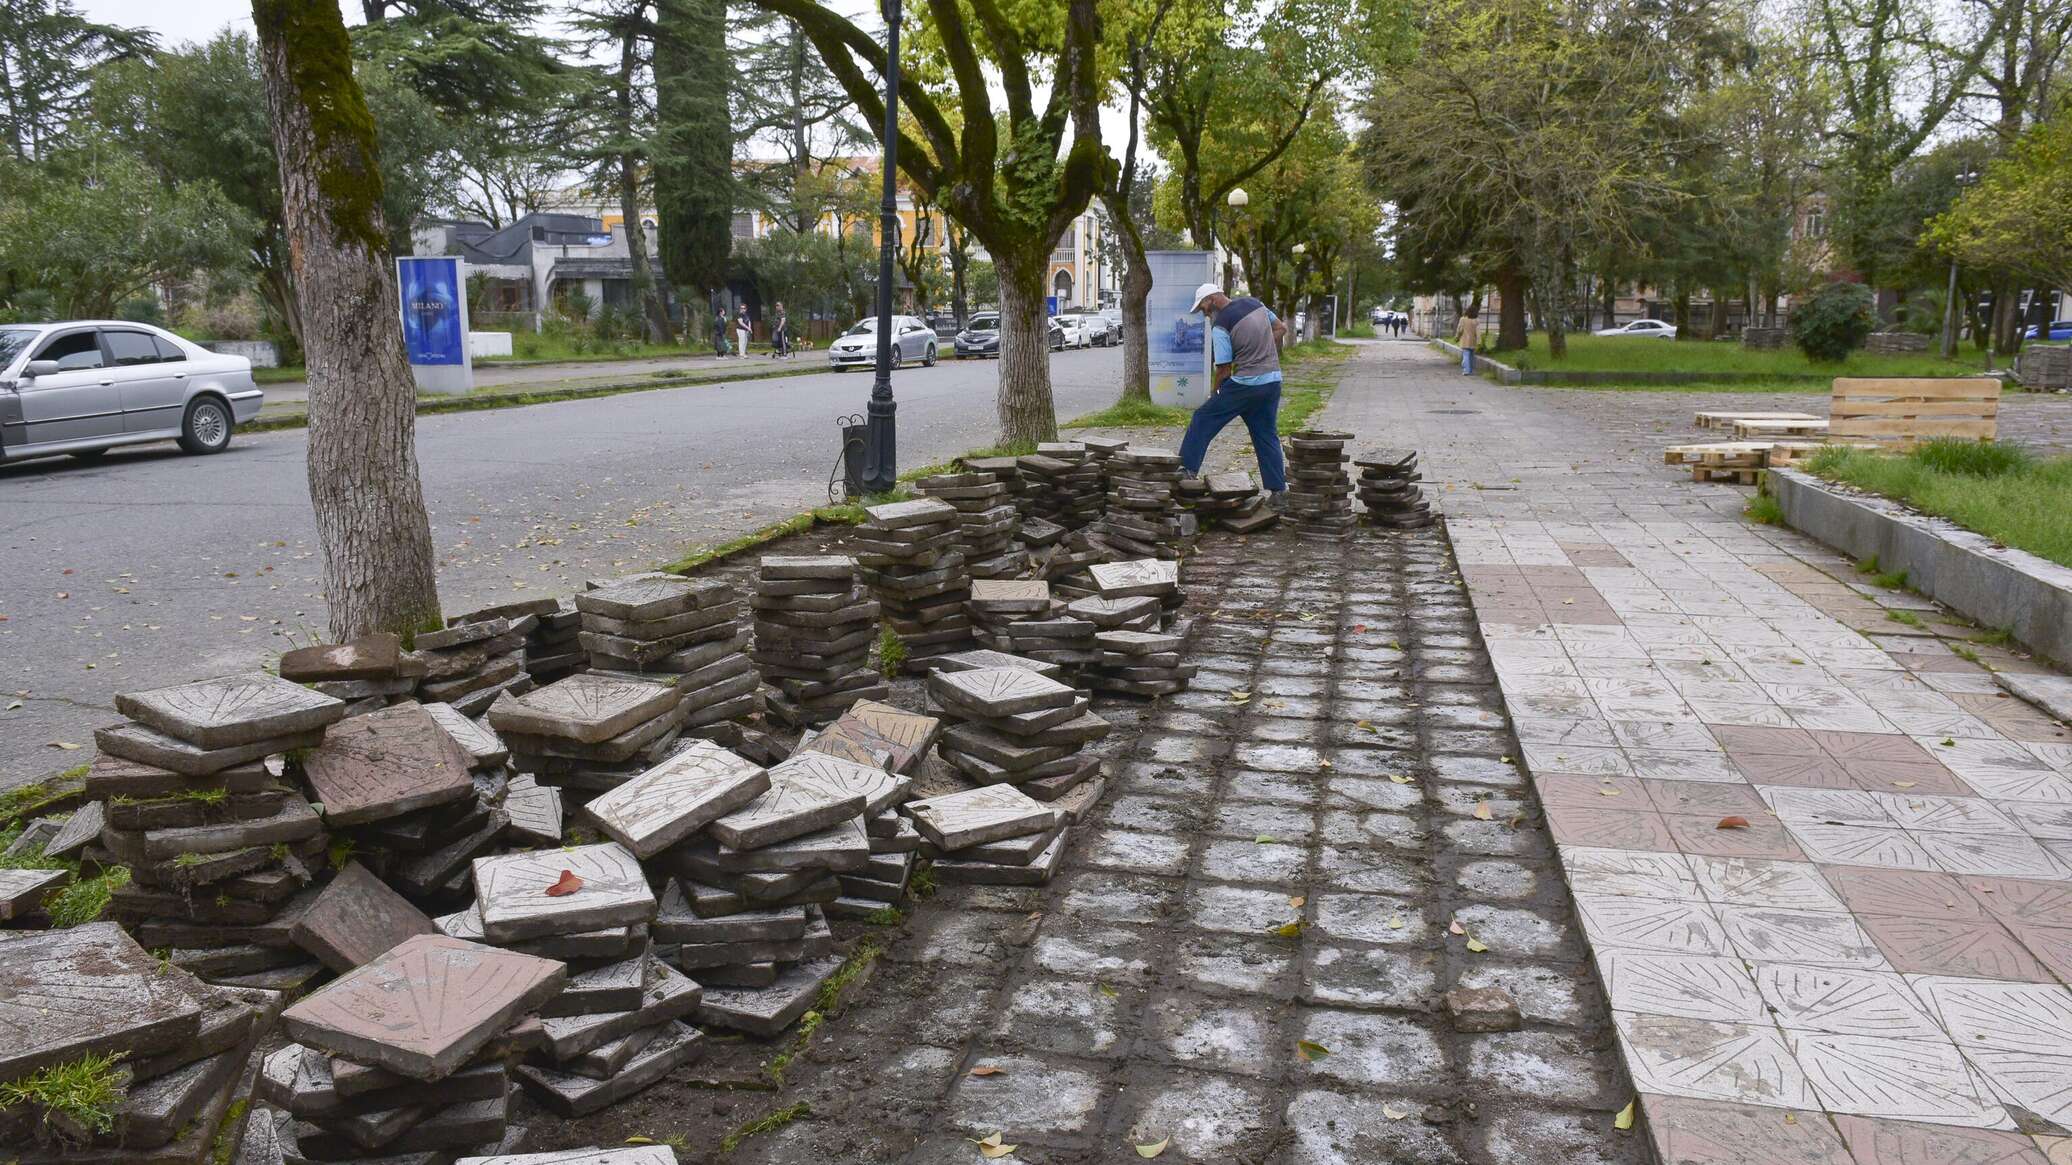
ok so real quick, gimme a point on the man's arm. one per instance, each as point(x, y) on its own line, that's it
point(1280, 330)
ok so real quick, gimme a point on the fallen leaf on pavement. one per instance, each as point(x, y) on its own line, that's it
point(1399, 778)
point(1607, 791)
point(1482, 811)
point(1153, 1149)
point(1455, 927)
point(1394, 1112)
point(1476, 945)
point(1624, 1120)
point(1287, 929)
point(1310, 1051)
point(992, 1148)
point(1733, 823)
point(985, 1070)
point(67, 745)
point(1297, 902)
point(568, 883)
point(1395, 922)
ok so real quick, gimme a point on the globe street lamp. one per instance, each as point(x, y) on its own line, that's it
point(1299, 250)
point(1237, 200)
point(880, 442)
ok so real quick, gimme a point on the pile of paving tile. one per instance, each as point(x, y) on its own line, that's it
point(218, 846)
point(367, 673)
point(591, 731)
point(1065, 565)
point(401, 791)
point(911, 564)
point(747, 858)
point(1143, 578)
point(814, 627)
point(1014, 726)
point(1388, 489)
point(687, 632)
point(997, 604)
point(1320, 502)
point(408, 1057)
point(477, 657)
point(1231, 500)
point(1139, 663)
point(555, 650)
point(1143, 518)
point(994, 835)
point(182, 1050)
point(987, 522)
point(1005, 470)
point(1061, 484)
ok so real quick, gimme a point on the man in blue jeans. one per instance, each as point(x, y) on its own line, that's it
point(1246, 340)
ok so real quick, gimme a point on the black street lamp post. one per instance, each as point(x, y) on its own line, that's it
point(880, 439)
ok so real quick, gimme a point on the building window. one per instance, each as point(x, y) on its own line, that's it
point(1816, 223)
point(744, 226)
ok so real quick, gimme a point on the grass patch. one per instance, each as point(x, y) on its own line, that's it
point(1132, 413)
point(922, 884)
point(768, 1122)
point(1907, 617)
point(26, 801)
point(1763, 510)
point(887, 916)
point(1968, 655)
point(843, 515)
point(1625, 354)
point(860, 959)
point(2002, 492)
point(1998, 637)
point(287, 374)
point(891, 651)
point(85, 1091)
point(86, 898)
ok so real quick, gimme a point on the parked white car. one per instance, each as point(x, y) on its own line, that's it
point(1079, 330)
point(912, 339)
point(1102, 333)
point(1652, 329)
point(84, 387)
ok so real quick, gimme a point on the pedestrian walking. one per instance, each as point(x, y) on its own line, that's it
point(780, 335)
point(719, 331)
point(1245, 337)
point(1467, 334)
point(741, 328)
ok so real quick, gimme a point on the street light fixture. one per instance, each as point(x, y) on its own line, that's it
point(1238, 198)
point(880, 437)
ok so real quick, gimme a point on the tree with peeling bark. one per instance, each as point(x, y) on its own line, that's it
point(363, 483)
point(1016, 179)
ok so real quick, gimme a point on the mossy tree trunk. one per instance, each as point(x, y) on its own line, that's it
point(362, 460)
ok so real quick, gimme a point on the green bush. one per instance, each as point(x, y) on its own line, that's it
point(1833, 322)
point(1972, 458)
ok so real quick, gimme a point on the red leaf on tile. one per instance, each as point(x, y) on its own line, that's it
point(568, 883)
point(1733, 823)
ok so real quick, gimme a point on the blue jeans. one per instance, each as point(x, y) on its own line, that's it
point(1467, 362)
point(1260, 406)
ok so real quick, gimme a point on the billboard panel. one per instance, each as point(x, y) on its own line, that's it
point(435, 322)
point(1176, 334)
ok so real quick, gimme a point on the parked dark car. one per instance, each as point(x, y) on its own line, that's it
point(980, 337)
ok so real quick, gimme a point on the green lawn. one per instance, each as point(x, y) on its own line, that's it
point(1615, 354)
point(2001, 491)
point(535, 346)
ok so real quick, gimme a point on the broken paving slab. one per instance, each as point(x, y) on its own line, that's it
point(667, 994)
point(480, 741)
point(230, 711)
point(534, 810)
point(146, 745)
point(512, 892)
point(89, 990)
point(585, 708)
point(80, 829)
point(697, 786)
point(426, 1007)
point(22, 891)
point(572, 1095)
point(387, 763)
point(370, 657)
point(975, 816)
point(356, 919)
point(998, 691)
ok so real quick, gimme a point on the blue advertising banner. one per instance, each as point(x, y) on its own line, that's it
point(434, 331)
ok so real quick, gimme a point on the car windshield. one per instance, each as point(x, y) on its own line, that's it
point(985, 323)
point(13, 340)
point(863, 327)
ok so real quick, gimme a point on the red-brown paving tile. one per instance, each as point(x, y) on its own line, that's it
point(1869, 746)
point(1941, 946)
point(1810, 771)
point(1758, 741)
point(1610, 828)
point(1874, 1141)
point(2024, 900)
point(1553, 576)
point(1904, 893)
point(1714, 1132)
point(1587, 616)
point(1762, 838)
point(1919, 778)
point(1701, 797)
point(2051, 944)
point(1590, 792)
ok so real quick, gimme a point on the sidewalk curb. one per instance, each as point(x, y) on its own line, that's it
point(433, 406)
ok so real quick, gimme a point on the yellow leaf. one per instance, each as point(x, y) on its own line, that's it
point(1505, 759)
point(1790, 1119)
point(1394, 1112)
point(1297, 902)
point(1607, 791)
point(1323, 764)
point(1475, 945)
point(1395, 922)
point(1482, 811)
point(1153, 1149)
point(1904, 784)
point(1366, 724)
point(993, 1148)
point(1624, 1120)
point(1287, 929)
point(1309, 1051)
point(67, 745)
point(640, 1140)
point(1400, 778)
point(985, 1070)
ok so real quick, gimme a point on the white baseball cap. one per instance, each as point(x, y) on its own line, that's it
point(1203, 292)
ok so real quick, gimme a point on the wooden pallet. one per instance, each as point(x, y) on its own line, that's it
point(1723, 454)
point(1793, 454)
point(1751, 428)
point(1727, 473)
point(1899, 413)
point(1725, 418)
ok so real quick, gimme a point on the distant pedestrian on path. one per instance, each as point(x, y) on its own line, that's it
point(1399, 323)
point(1245, 337)
point(741, 328)
point(780, 335)
point(719, 331)
point(1467, 334)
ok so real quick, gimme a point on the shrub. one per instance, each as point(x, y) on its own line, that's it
point(1833, 322)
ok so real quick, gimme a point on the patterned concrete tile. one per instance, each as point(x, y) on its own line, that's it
point(1763, 933)
point(1841, 1001)
point(1939, 946)
point(1919, 1080)
point(1761, 837)
point(2014, 1017)
point(1694, 1058)
point(1652, 924)
point(1629, 872)
point(1702, 1132)
point(1855, 845)
point(1624, 828)
point(1749, 882)
point(1995, 855)
point(1890, 1142)
point(1905, 893)
point(1709, 987)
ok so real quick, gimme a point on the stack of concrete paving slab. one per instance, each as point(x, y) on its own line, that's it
point(995, 835)
point(555, 650)
point(1139, 663)
point(747, 857)
point(1388, 489)
point(1142, 517)
point(909, 560)
point(1320, 495)
point(814, 627)
point(1142, 578)
point(686, 632)
point(475, 659)
point(367, 673)
point(1013, 726)
point(996, 604)
point(591, 731)
point(403, 790)
point(218, 845)
point(1064, 564)
point(987, 522)
point(1055, 637)
point(1061, 484)
point(1005, 470)
point(1231, 500)
point(182, 1051)
point(408, 1057)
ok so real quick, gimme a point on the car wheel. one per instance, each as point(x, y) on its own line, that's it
point(206, 427)
point(898, 357)
point(928, 360)
point(89, 454)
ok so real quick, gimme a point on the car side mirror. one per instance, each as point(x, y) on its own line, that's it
point(38, 368)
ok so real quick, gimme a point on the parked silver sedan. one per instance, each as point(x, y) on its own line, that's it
point(912, 339)
point(85, 386)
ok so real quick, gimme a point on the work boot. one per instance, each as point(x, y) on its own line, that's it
point(1277, 501)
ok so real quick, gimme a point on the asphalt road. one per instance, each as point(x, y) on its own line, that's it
point(149, 567)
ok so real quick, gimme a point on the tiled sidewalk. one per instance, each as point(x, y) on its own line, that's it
point(1824, 867)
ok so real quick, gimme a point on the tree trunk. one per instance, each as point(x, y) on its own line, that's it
point(1683, 313)
point(1136, 295)
point(362, 460)
point(960, 262)
point(1510, 322)
point(646, 291)
point(1027, 413)
point(1719, 315)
